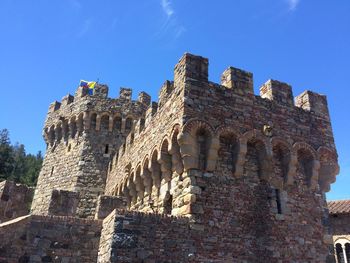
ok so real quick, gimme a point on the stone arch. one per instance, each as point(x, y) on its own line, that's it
point(104, 122)
point(51, 135)
point(72, 127)
point(128, 123)
point(329, 167)
point(307, 165)
point(93, 121)
point(284, 162)
point(198, 145)
point(155, 170)
point(58, 131)
point(117, 122)
point(65, 129)
point(80, 123)
point(229, 149)
point(132, 187)
point(174, 150)
point(138, 181)
point(258, 154)
point(164, 159)
point(146, 177)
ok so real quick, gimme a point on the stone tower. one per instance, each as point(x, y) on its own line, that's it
point(248, 172)
point(82, 133)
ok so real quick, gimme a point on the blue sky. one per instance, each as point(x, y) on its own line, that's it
point(46, 47)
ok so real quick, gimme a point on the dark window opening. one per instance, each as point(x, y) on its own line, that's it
point(107, 149)
point(142, 124)
point(69, 147)
point(52, 169)
point(132, 138)
point(278, 201)
point(168, 205)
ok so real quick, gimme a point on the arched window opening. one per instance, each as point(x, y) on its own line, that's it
point(117, 123)
point(228, 152)
point(347, 251)
point(202, 144)
point(281, 158)
point(93, 121)
point(128, 124)
point(104, 123)
point(339, 253)
point(305, 165)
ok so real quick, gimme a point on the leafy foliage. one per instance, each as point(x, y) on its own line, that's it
point(15, 164)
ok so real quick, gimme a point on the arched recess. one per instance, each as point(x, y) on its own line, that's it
point(65, 130)
point(146, 178)
point(93, 121)
point(128, 124)
point(329, 167)
point(140, 189)
point(132, 188)
point(284, 162)
point(198, 146)
point(164, 160)
point(174, 150)
point(80, 123)
point(258, 155)
point(339, 253)
point(72, 127)
point(307, 165)
point(58, 132)
point(154, 168)
point(117, 123)
point(104, 124)
point(229, 149)
point(51, 135)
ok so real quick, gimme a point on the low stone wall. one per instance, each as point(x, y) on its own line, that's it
point(138, 237)
point(35, 238)
point(15, 200)
point(106, 204)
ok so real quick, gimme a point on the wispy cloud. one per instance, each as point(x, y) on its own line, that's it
point(292, 4)
point(167, 8)
point(171, 25)
point(85, 28)
point(76, 4)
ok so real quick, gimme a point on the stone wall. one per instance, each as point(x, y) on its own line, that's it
point(15, 200)
point(82, 133)
point(340, 224)
point(249, 171)
point(35, 238)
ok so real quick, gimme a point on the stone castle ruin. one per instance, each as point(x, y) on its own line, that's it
point(210, 173)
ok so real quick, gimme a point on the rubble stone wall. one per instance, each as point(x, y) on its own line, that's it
point(15, 200)
point(242, 168)
point(82, 133)
point(35, 238)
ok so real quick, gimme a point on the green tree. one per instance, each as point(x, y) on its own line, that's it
point(6, 155)
point(15, 164)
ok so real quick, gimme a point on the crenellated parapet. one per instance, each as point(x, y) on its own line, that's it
point(200, 128)
point(96, 112)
